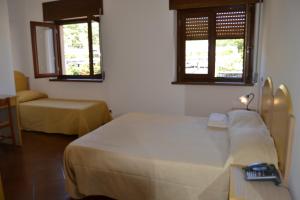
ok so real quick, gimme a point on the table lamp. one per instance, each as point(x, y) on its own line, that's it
point(247, 99)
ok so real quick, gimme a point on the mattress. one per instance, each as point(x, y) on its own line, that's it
point(70, 117)
point(150, 157)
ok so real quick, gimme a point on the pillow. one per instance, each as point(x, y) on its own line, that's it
point(251, 145)
point(29, 95)
point(218, 120)
point(244, 118)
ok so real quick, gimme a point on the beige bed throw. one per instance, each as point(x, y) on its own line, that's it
point(70, 117)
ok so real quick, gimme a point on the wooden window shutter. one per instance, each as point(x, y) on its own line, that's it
point(66, 9)
point(196, 28)
point(187, 4)
point(231, 24)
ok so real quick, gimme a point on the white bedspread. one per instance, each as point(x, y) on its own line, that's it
point(150, 157)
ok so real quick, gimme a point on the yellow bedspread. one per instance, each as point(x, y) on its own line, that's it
point(70, 117)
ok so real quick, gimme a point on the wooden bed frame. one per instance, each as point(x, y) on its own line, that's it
point(277, 112)
point(21, 81)
point(267, 102)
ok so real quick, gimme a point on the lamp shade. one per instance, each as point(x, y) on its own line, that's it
point(247, 99)
point(244, 100)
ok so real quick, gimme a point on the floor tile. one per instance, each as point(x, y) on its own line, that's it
point(35, 171)
point(51, 190)
point(18, 189)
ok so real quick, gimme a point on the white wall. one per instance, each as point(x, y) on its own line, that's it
point(6, 76)
point(281, 58)
point(139, 59)
point(18, 33)
point(139, 43)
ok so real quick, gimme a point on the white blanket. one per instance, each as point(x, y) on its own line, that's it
point(150, 157)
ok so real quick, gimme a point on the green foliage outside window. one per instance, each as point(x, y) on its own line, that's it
point(76, 49)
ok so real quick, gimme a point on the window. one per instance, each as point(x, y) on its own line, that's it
point(68, 49)
point(80, 45)
point(215, 45)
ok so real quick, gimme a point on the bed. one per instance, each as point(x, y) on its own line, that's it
point(39, 113)
point(158, 157)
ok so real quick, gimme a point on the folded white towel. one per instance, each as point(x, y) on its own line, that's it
point(218, 120)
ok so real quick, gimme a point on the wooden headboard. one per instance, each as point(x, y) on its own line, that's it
point(21, 81)
point(267, 102)
point(282, 129)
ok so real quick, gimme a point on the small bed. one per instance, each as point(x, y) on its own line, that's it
point(39, 113)
point(158, 157)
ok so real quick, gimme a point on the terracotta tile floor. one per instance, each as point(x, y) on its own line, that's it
point(35, 171)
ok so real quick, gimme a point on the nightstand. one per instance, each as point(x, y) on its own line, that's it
point(244, 190)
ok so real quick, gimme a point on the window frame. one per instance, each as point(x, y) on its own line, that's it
point(58, 51)
point(210, 79)
point(33, 27)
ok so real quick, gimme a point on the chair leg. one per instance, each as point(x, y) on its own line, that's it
point(11, 123)
point(1, 190)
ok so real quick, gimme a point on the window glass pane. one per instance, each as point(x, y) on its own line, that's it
point(96, 47)
point(229, 58)
point(196, 61)
point(45, 50)
point(75, 48)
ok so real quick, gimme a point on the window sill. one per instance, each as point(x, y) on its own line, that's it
point(213, 83)
point(91, 80)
